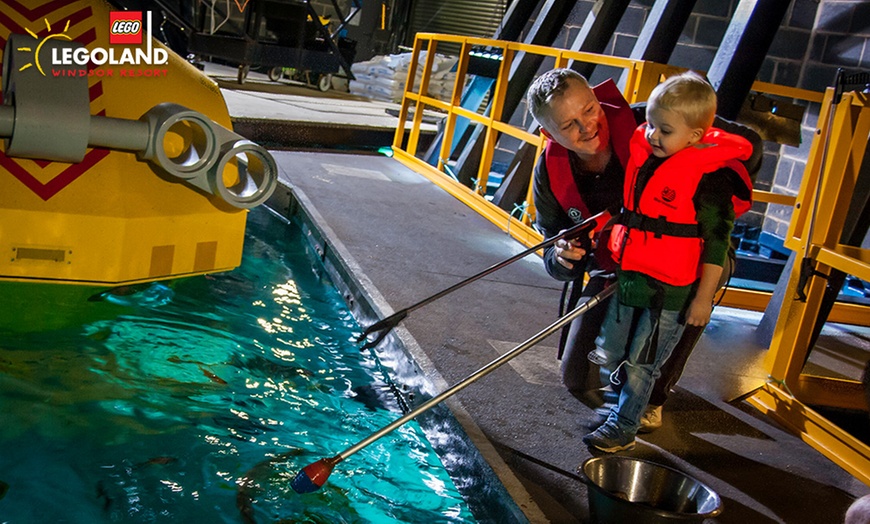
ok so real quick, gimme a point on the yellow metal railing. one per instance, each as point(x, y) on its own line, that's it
point(415, 97)
point(815, 229)
point(640, 78)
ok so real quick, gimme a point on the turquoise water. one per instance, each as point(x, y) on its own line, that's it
point(200, 402)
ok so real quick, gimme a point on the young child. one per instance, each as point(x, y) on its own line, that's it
point(684, 185)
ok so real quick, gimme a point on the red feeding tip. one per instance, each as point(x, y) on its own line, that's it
point(313, 476)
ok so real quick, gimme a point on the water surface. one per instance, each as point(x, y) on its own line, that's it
point(199, 401)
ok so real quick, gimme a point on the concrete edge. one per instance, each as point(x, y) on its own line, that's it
point(284, 134)
point(360, 292)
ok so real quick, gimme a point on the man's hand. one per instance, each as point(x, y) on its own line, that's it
point(568, 252)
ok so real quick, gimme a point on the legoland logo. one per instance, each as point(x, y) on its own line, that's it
point(125, 27)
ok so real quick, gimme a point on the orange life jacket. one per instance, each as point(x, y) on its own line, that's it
point(659, 236)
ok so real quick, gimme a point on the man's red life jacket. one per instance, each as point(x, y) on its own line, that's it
point(659, 235)
point(620, 122)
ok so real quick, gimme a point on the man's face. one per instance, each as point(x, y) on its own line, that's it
point(576, 121)
point(667, 131)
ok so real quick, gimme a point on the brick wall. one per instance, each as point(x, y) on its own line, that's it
point(817, 38)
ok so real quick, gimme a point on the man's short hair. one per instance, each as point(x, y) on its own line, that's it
point(548, 86)
point(689, 95)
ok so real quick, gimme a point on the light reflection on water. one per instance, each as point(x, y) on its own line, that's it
point(203, 406)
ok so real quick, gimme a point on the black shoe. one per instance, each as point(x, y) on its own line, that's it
point(609, 439)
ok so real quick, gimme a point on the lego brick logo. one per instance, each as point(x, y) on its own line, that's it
point(125, 27)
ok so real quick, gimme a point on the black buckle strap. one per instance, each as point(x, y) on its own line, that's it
point(659, 226)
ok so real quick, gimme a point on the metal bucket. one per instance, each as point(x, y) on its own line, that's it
point(625, 489)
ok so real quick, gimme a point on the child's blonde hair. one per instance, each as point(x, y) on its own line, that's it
point(689, 95)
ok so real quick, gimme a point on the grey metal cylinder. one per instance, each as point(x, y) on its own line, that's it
point(7, 120)
point(117, 133)
point(250, 170)
point(52, 106)
point(193, 133)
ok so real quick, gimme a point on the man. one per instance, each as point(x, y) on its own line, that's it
point(579, 175)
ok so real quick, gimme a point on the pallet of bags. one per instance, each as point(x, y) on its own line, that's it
point(383, 77)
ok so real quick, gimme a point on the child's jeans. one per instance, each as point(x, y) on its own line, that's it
point(628, 341)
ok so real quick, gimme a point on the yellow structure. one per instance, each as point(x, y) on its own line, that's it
point(815, 229)
point(112, 218)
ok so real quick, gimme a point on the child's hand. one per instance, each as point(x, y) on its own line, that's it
point(702, 305)
point(699, 312)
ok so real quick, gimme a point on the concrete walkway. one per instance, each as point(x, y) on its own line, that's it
point(398, 238)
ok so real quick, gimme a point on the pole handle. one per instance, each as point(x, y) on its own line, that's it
point(596, 223)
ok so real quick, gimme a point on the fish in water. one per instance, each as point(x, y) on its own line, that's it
point(211, 376)
point(250, 484)
point(103, 494)
point(270, 368)
point(4, 487)
point(157, 461)
point(238, 424)
point(202, 367)
point(149, 294)
point(380, 395)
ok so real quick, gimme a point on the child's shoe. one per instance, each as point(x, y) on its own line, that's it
point(609, 439)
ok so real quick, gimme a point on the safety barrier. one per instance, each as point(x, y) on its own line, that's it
point(815, 232)
point(639, 77)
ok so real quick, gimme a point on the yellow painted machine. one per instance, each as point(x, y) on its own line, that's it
point(118, 163)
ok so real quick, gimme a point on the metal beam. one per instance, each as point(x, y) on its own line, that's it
point(515, 19)
point(662, 30)
point(742, 51)
point(551, 19)
point(597, 29)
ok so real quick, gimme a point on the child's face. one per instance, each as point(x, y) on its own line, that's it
point(667, 131)
point(576, 121)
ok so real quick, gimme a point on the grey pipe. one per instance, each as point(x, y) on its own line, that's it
point(117, 133)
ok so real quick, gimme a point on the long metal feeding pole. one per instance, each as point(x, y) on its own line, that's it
point(482, 372)
point(313, 476)
point(384, 325)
